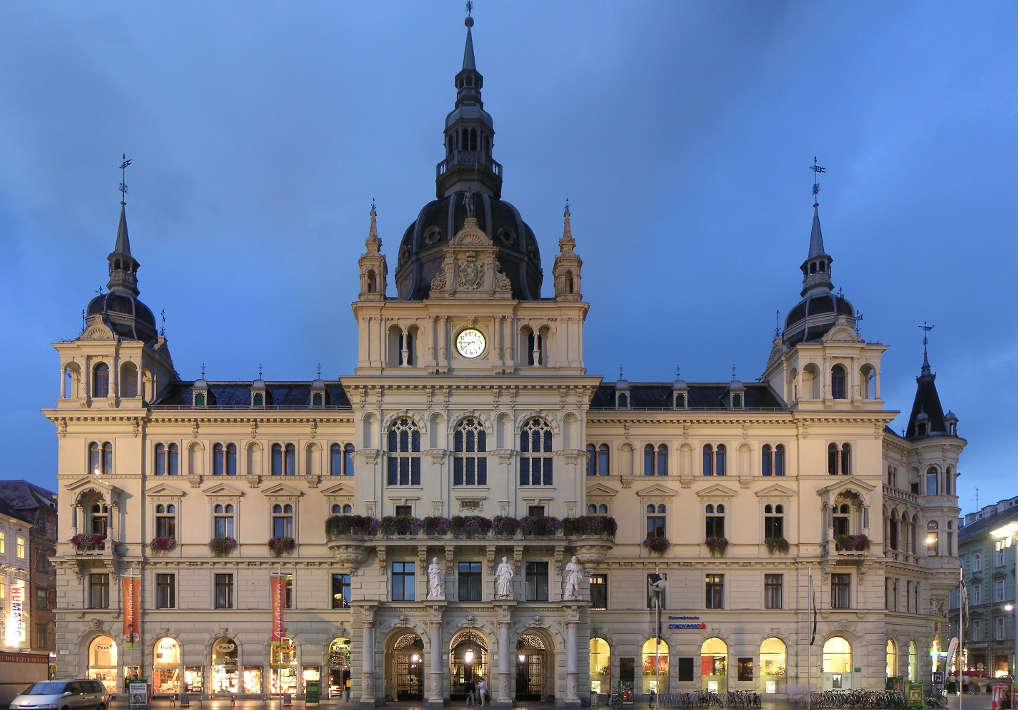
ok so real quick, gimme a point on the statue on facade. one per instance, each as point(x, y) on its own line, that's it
point(504, 580)
point(436, 581)
point(573, 575)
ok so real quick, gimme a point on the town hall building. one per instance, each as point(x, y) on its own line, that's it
point(471, 503)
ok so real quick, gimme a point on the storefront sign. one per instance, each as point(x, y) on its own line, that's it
point(16, 630)
point(278, 586)
point(131, 587)
point(686, 623)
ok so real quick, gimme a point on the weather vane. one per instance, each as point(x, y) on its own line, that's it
point(777, 322)
point(470, 7)
point(926, 328)
point(567, 205)
point(203, 370)
point(620, 372)
point(162, 315)
point(817, 169)
point(372, 204)
point(733, 372)
point(124, 165)
point(259, 371)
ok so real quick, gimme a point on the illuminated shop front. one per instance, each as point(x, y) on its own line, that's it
point(773, 658)
point(224, 673)
point(252, 680)
point(714, 665)
point(166, 667)
point(837, 663)
point(338, 661)
point(102, 662)
point(283, 677)
point(655, 666)
point(600, 666)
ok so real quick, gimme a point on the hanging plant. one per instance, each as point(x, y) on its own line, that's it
point(435, 525)
point(222, 546)
point(88, 541)
point(280, 545)
point(776, 544)
point(717, 545)
point(162, 544)
point(657, 545)
point(505, 526)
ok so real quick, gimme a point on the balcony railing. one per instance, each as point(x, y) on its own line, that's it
point(468, 158)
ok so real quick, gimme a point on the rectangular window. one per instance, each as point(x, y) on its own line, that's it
point(537, 581)
point(998, 594)
point(840, 587)
point(288, 596)
point(931, 484)
point(685, 669)
point(41, 635)
point(999, 558)
point(41, 563)
point(98, 591)
point(977, 593)
point(41, 598)
point(715, 526)
point(340, 591)
point(656, 521)
point(745, 668)
point(998, 631)
point(166, 591)
point(598, 591)
point(657, 585)
point(773, 584)
point(469, 579)
point(404, 511)
point(3, 543)
point(166, 526)
point(21, 548)
point(402, 581)
point(535, 511)
point(224, 591)
point(715, 588)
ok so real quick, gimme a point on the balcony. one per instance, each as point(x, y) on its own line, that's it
point(468, 159)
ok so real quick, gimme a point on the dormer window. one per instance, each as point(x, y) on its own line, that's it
point(199, 399)
point(318, 399)
point(622, 400)
point(680, 400)
point(736, 401)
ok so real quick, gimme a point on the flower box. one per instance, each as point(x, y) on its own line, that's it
point(851, 543)
point(281, 545)
point(88, 542)
point(338, 526)
point(222, 546)
point(540, 526)
point(657, 545)
point(587, 525)
point(504, 526)
point(776, 544)
point(716, 545)
point(162, 544)
point(399, 525)
point(435, 526)
point(470, 525)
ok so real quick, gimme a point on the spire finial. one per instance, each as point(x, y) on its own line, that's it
point(468, 20)
point(567, 212)
point(162, 315)
point(83, 319)
point(125, 163)
point(203, 370)
point(373, 206)
point(777, 322)
point(926, 328)
point(259, 371)
point(621, 376)
point(817, 169)
point(319, 371)
point(733, 372)
point(676, 371)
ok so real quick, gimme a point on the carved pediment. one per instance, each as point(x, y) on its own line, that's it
point(96, 483)
point(470, 267)
point(775, 491)
point(657, 490)
point(161, 489)
point(222, 489)
point(600, 490)
point(281, 490)
point(842, 332)
point(716, 491)
point(338, 489)
point(97, 331)
point(845, 484)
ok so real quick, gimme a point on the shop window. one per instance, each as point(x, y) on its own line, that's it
point(655, 665)
point(837, 655)
point(600, 665)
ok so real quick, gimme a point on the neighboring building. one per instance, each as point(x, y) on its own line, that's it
point(15, 575)
point(38, 507)
point(989, 578)
point(469, 396)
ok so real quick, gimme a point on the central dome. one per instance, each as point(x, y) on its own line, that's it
point(420, 251)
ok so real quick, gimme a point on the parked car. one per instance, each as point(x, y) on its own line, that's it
point(77, 694)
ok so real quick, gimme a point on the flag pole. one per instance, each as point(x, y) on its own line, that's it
point(809, 648)
point(961, 636)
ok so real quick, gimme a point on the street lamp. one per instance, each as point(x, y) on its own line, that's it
point(1007, 535)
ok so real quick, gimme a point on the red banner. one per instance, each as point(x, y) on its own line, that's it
point(131, 588)
point(277, 584)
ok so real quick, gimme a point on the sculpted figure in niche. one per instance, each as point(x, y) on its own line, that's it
point(573, 576)
point(504, 580)
point(436, 581)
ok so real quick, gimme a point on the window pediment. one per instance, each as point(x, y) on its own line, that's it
point(657, 490)
point(164, 491)
point(846, 484)
point(600, 491)
point(716, 491)
point(221, 489)
point(775, 491)
point(338, 489)
point(281, 490)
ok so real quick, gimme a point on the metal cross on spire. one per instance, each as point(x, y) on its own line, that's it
point(124, 165)
point(817, 169)
point(926, 328)
point(470, 7)
point(733, 372)
point(372, 204)
point(162, 315)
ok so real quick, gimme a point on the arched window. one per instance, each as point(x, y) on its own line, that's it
point(218, 460)
point(708, 460)
point(277, 460)
point(223, 520)
point(284, 460)
point(536, 453)
point(837, 655)
point(101, 380)
point(891, 656)
point(602, 509)
point(282, 520)
point(600, 665)
point(715, 518)
point(662, 460)
point(68, 382)
point(832, 459)
point(913, 661)
point(591, 509)
point(603, 460)
point(773, 659)
point(846, 459)
point(947, 481)
point(172, 460)
point(166, 521)
point(655, 666)
point(622, 401)
point(656, 520)
point(648, 460)
point(766, 459)
point(160, 460)
point(100, 458)
point(838, 389)
point(231, 459)
point(591, 460)
point(404, 454)
point(469, 464)
point(348, 460)
point(372, 285)
point(290, 460)
point(779, 460)
point(719, 460)
point(931, 481)
point(335, 460)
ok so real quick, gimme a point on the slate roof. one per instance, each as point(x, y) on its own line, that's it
point(926, 400)
point(707, 395)
point(237, 395)
point(22, 495)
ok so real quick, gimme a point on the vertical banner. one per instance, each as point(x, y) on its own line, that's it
point(16, 628)
point(277, 584)
point(131, 588)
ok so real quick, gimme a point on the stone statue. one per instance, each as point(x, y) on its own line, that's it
point(573, 576)
point(504, 580)
point(468, 203)
point(436, 581)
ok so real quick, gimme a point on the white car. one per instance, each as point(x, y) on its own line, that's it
point(62, 695)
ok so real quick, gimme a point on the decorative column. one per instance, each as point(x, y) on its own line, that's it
point(436, 684)
point(572, 674)
point(368, 656)
point(501, 693)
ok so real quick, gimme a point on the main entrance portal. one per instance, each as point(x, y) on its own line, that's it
point(533, 652)
point(468, 663)
point(404, 668)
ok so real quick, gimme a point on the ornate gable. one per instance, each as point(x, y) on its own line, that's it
point(221, 489)
point(775, 491)
point(599, 490)
point(161, 490)
point(338, 489)
point(470, 268)
point(281, 490)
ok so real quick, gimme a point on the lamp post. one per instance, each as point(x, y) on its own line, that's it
point(1008, 537)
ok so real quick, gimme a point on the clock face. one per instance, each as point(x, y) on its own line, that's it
point(470, 342)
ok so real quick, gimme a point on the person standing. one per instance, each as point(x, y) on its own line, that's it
point(482, 691)
point(346, 684)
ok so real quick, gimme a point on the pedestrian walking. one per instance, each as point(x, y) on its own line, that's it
point(470, 692)
point(482, 691)
point(346, 684)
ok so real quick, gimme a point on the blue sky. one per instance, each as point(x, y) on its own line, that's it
point(680, 131)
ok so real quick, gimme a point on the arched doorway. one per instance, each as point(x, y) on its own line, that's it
point(714, 665)
point(773, 660)
point(166, 667)
point(837, 666)
point(535, 677)
point(283, 676)
point(655, 666)
point(469, 661)
point(913, 661)
point(404, 668)
point(224, 671)
point(102, 662)
point(891, 664)
point(600, 666)
point(338, 664)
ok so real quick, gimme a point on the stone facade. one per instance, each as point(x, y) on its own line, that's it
point(737, 504)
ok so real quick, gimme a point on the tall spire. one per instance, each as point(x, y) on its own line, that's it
point(469, 130)
point(927, 416)
point(926, 328)
point(123, 267)
point(816, 270)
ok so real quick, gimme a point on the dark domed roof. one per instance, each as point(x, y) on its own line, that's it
point(420, 251)
point(814, 315)
point(125, 314)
